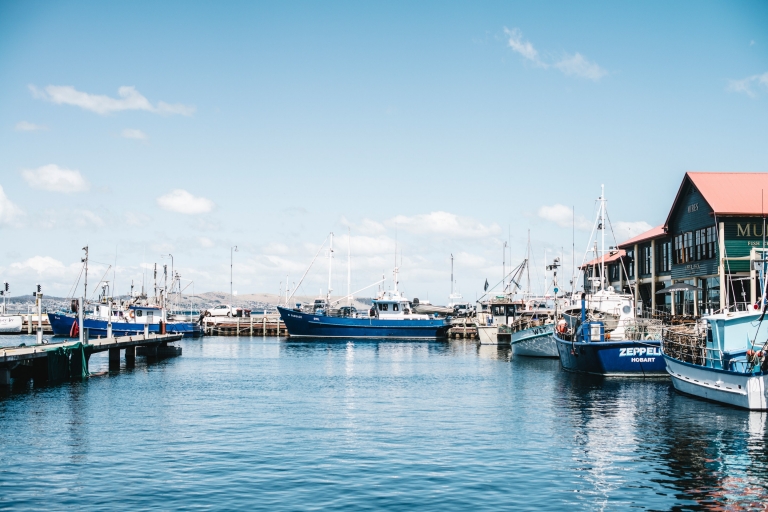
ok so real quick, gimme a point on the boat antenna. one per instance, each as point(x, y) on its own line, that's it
point(573, 249)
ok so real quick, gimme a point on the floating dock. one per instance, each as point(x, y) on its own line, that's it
point(57, 362)
point(244, 326)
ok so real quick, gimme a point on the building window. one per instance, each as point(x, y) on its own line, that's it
point(613, 272)
point(705, 243)
point(646, 260)
point(630, 264)
point(664, 257)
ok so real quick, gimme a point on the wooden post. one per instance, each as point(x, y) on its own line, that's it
point(251, 320)
point(238, 327)
point(114, 358)
point(696, 297)
point(130, 355)
point(721, 267)
point(264, 325)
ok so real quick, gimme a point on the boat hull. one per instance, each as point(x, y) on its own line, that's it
point(612, 358)
point(10, 323)
point(62, 326)
point(301, 324)
point(534, 342)
point(490, 335)
point(747, 391)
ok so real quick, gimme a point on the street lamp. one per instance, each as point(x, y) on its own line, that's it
point(232, 251)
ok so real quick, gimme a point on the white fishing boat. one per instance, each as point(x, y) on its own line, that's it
point(716, 359)
point(8, 323)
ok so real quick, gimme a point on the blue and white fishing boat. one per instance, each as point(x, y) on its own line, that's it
point(130, 318)
point(130, 322)
point(606, 338)
point(630, 347)
point(717, 359)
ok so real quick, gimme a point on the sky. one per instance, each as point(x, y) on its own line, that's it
point(411, 130)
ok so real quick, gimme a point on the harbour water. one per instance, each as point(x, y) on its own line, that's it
point(275, 424)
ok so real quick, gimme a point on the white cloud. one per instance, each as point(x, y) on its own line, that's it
point(745, 84)
point(563, 216)
point(571, 65)
point(181, 201)
point(578, 65)
point(55, 179)
point(205, 242)
point(131, 133)
point(444, 223)
point(25, 126)
point(40, 265)
point(129, 99)
point(86, 218)
point(136, 219)
point(626, 230)
point(9, 212)
point(524, 48)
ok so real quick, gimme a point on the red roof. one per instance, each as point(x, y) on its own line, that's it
point(651, 234)
point(609, 258)
point(732, 193)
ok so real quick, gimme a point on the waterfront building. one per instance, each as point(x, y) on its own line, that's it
point(710, 240)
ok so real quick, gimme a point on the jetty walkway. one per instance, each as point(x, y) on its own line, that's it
point(57, 362)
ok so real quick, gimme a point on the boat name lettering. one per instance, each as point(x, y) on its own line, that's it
point(643, 359)
point(640, 351)
point(294, 316)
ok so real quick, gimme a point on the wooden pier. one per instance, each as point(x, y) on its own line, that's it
point(244, 326)
point(57, 362)
point(462, 330)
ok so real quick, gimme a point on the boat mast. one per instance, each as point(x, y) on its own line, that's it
point(349, 266)
point(528, 266)
point(451, 276)
point(330, 268)
point(85, 283)
point(602, 243)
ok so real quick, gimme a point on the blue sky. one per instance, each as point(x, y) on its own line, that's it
point(146, 128)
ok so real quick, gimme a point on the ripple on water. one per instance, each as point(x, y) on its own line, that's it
point(261, 423)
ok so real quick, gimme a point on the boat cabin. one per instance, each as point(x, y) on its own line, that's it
point(145, 314)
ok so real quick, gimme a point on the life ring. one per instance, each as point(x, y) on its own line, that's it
point(131, 314)
point(562, 326)
point(74, 331)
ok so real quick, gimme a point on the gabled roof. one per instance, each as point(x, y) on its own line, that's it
point(609, 258)
point(651, 234)
point(728, 193)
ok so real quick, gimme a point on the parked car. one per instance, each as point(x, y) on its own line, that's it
point(221, 310)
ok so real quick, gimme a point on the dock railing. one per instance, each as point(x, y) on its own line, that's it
point(688, 343)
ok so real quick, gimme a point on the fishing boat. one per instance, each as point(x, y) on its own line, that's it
point(8, 323)
point(717, 359)
point(108, 317)
point(391, 314)
point(607, 338)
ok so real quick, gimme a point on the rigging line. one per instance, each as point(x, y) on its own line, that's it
point(307, 271)
point(71, 292)
point(616, 244)
point(589, 244)
point(96, 288)
point(725, 258)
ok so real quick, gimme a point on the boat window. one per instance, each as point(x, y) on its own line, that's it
point(395, 307)
point(383, 307)
point(498, 310)
point(138, 312)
